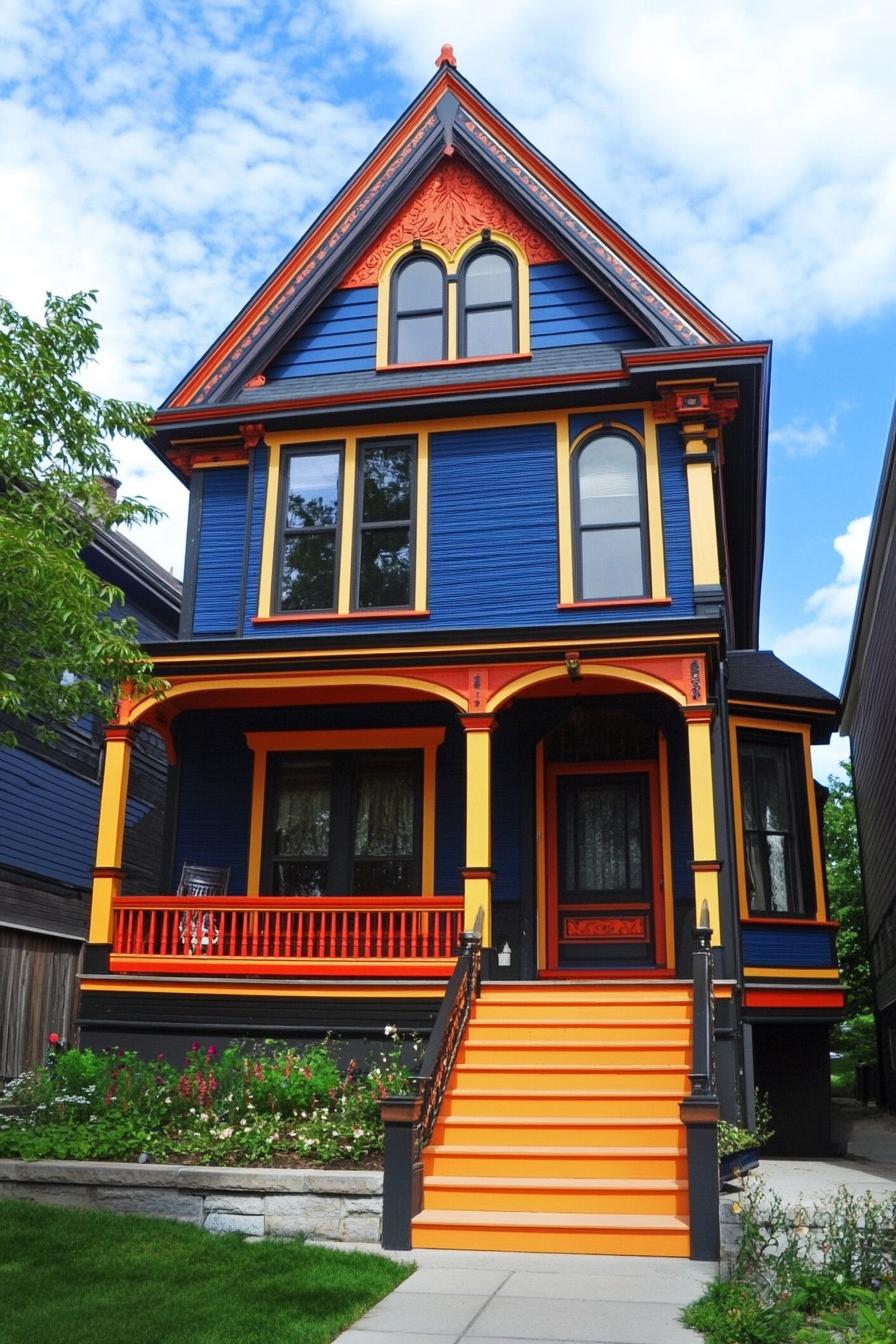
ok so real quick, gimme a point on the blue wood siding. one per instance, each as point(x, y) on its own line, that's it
point(579, 423)
point(804, 948)
point(219, 559)
point(493, 557)
point(214, 796)
point(566, 309)
point(339, 338)
point(49, 818)
point(259, 485)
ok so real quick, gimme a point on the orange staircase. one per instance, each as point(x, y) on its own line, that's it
point(560, 1129)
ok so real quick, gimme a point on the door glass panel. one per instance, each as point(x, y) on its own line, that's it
point(302, 829)
point(385, 814)
point(602, 838)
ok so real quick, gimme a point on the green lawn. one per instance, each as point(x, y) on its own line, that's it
point(69, 1275)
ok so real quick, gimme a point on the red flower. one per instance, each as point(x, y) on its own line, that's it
point(53, 1038)
point(211, 1052)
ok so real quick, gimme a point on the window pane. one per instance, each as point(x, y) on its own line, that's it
point(487, 279)
point(309, 572)
point(384, 877)
point(489, 332)
point(772, 787)
point(313, 490)
point(419, 339)
point(300, 879)
point(385, 570)
point(419, 285)
point(302, 826)
point(384, 811)
point(612, 564)
point(387, 484)
point(608, 482)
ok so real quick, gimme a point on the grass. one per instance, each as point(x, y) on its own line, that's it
point(68, 1274)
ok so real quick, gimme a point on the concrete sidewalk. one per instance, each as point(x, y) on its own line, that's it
point(505, 1298)
point(867, 1137)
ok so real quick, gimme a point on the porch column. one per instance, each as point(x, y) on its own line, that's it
point(477, 872)
point(703, 816)
point(107, 874)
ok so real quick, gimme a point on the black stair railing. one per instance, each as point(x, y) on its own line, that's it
point(408, 1121)
point(700, 1110)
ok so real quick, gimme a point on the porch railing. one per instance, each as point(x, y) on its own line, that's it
point(396, 935)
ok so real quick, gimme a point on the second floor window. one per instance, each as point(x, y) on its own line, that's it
point(384, 525)
point(311, 534)
point(611, 532)
point(417, 332)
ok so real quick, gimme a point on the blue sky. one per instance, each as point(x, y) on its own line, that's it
point(168, 155)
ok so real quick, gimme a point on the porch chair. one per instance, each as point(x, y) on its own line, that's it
point(197, 880)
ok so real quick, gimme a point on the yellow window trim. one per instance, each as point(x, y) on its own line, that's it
point(426, 740)
point(566, 450)
point(347, 441)
point(802, 731)
point(452, 261)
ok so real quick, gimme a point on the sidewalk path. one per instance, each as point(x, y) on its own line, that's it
point(507, 1298)
point(868, 1137)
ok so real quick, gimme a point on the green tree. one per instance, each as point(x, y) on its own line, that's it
point(844, 877)
point(59, 657)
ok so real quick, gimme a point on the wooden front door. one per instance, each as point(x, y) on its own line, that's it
point(604, 907)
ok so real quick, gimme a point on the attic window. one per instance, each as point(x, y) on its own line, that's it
point(417, 325)
point(487, 319)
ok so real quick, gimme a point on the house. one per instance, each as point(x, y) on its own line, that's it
point(49, 804)
point(869, 696)
point(470, 625)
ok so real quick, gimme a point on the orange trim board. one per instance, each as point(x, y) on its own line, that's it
point(324, 989)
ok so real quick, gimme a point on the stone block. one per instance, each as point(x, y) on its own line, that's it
point(372, 1205)
point(361, 1227)
point(228, 1203)
point(319, 1226)
point(247, 1224)
point(61, 1196)
point(177, 1204)
point(251, 1180)
point(344, 1182)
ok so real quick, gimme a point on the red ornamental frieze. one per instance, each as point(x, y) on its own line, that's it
point(452, 204)
point(606, 928)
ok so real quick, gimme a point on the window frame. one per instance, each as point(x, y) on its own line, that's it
point(358, 524)
point(333, 447)
point(416, 255)
point(578, 527)
point(794, 739)
point(463, 307)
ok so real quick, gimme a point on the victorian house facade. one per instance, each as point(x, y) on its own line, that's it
point(470, 625)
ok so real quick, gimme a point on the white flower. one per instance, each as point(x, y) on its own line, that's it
point(390, 1030)
point(225, 1133)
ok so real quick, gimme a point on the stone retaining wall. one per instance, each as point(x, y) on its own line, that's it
point(318, 1205)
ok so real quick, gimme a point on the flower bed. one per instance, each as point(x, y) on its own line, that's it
point(275, 1106)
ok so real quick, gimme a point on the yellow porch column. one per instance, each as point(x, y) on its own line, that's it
point(703, 817)
point(477, 871)
point(110, 832)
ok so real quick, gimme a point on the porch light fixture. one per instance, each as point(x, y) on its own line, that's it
point(572, 666)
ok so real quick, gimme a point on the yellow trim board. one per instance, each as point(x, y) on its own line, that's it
point(426, 740)
point(793, 973)
point(736, 722)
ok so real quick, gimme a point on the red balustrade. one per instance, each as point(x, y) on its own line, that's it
point(322, 935)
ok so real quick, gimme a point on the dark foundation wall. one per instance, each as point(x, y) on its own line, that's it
point(792, 1067)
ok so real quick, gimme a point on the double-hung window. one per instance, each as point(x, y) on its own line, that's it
point(609, 518)
point(418, 332)
point(774, 820)
point(347, 527)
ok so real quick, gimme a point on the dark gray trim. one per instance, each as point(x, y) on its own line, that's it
point(247, 538)
point(191, 560)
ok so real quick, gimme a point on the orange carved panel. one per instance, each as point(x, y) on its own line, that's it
point(605, 929)
point(453, 203)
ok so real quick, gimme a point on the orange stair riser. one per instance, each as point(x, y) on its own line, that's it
point(576, 1133)
point(601, 1033)
point(583, 1012)
point(569, 1052)
point(569, 1078)
point(558, 1240)
point(530, 1103)
point(558, 1201)
point(559, 1166)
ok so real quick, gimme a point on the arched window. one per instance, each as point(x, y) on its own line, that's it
point(487, 315)
point(417, 332)
point(608, 489)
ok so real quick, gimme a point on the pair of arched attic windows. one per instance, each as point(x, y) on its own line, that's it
point(487, 317)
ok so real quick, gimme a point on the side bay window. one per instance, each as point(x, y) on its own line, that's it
point(774, 820)
point(346, 527)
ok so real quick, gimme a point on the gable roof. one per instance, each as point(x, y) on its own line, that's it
point(449, 120)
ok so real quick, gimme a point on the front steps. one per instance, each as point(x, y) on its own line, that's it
point(560, 1126)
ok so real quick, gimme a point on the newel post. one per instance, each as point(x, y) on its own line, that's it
point(402, 1170)
point(700, 1110)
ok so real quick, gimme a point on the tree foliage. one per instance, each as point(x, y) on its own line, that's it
point(59, 657)
point(844, 876)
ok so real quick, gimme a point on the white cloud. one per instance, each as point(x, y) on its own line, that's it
point(799, 438)
point(818, 646)
point(828, 760)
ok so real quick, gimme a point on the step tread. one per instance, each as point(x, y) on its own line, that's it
point(560, 1184)
point(574, 1068)
point(654, 1222)
point(575, 1022)
point(554, 1094)
point(550, 1150)
point(565, 1121)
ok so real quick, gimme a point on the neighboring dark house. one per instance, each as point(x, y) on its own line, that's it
point(470, 620)
point(869, 717)
point(49, 804)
